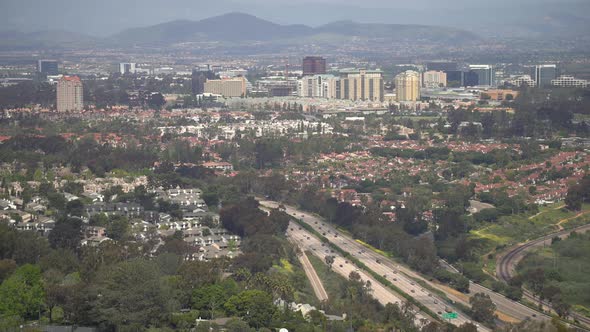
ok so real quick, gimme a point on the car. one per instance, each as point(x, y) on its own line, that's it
point(435, 302)
point(413, 291)
point(323, 244)
point(320, 227)
point(291, 228)
point(324, 233)
point(340, 265)
point(394, 279)
point(378, 261)
point(299, 228)
point(429, 294)
point(394, 271)
point(439, 312)
point(346, 262)
point(335, 235)
point(412, 283)
point(534, 315)
point(332, 251)
point(385, 276)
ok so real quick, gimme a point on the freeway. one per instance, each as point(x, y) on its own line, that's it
point(399, 275)
point(507, 262)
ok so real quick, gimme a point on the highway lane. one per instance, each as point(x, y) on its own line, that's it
point(307, 241)
point(507, 262)
point(379, 264)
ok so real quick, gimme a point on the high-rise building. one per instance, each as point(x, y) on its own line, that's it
point(407, 86)
point(442, 66)
point(485, 75)
point(455, 78)
point(232, 87)
point(314, 65)
point(198, 79)
point(316, 86)
point(434, 79)
point(70, 94)
point(544, 74)
point(127, 68)
point(358, 84)
point(47, 67)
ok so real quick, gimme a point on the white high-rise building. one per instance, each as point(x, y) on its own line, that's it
point(316, 86)
point(485, 74)
point(127, 68)
point(434, 79)
point(70, 95)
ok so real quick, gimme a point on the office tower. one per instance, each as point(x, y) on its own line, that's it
point(127, 68)
point(314, 86)
point(544, 74)
point(359, 84)
point(441, 66)
point(434, 79)
point(470, 78)
point(47, 67)
point(407, 86)
point(198, 79)
point(232, 87)
point(314, 65)
point(455, 78)
point(485, 75)
point(70, 94)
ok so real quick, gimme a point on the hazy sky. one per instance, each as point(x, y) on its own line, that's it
point(104, 17)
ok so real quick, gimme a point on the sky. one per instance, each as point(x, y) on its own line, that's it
point(107, 17)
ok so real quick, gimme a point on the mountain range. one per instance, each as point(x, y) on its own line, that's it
point(236, 27)
point(239, 28)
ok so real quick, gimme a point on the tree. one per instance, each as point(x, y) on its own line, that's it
point(22, 293)
point(467, 327)
point(482, 307)
point(561, 307)
point(254, 306)
point(135, 289)
point(75, 208)
point(329, 261)
point(66, 234)
point(7, 266)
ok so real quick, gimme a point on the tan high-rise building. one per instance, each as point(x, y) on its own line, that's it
point(70, 96)
point(232, 87)
point(434, 79)
point(407, 86)
point(357, 85)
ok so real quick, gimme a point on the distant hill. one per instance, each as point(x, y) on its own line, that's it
point(229, 27)
point(236, 27)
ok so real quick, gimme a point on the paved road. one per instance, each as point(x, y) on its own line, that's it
point(397, 274)
point(307, 241)
point(316, 283)
point(507, 262)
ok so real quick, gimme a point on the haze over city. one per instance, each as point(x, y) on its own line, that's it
point(294, 165)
